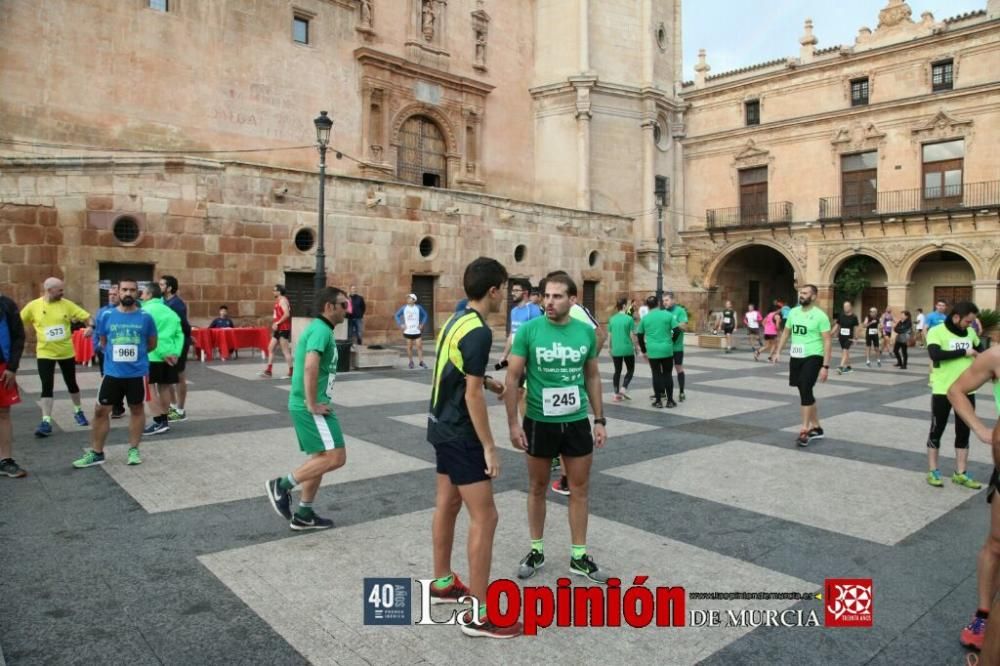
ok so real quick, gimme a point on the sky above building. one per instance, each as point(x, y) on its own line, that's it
point(737, 33)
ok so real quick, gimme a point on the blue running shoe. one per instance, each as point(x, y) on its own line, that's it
point(44, 429)
point(156, 428)
point(81, 419)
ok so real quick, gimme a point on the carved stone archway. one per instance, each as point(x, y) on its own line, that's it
point(714, 268)
point(911, 261)
point(828, 271)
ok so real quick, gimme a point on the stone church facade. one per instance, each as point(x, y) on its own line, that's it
point(179, 139)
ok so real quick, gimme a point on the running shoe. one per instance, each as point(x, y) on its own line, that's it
point(816, 433)
point(89, 459)
point(133, 456)
point(450, 594)
point(561, 486)
point(879, 362)
point(840, 371)
point(626, 395)
point(848, 370)
point(288, 376)
point(973, 633)
point(585, 566)
point(117, 412)
point(617, 398)
point(486, 629)
point(176, 414)
point(10, 468)
point(156, 428)
point(671, 404)
point(728, 350)
point(44, 429)
point(411, 365)
point(963, 479)
point(934, 478)
point(312, 522)
point(868, 364)
point(265, 374)
point(81, 419)
point(756, 354)
point(281, 500)
point(682, 397)
point(530, 565)
point(803, 438)
point(423, 365)
point(657, 404)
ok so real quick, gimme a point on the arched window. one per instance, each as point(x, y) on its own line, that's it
point(422, 153)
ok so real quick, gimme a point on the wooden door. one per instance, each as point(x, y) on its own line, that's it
point(874, 297)
point(590, 296)
point(952, 295)
point(423, 287)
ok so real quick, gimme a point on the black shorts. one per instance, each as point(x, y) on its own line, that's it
point(754, 331)
point(549, 440)
point(770, 336)
point(182, 360)
point(679, 358)
point(161, 373)
point(994, 485)
point(282, 334)
point(871, 341)
point(464, 461)
point(804, 371)
point(728, 330)
point(115, 389)
point(413, 336)
point(845, 343)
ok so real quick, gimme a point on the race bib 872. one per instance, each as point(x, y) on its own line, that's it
point(963, 345)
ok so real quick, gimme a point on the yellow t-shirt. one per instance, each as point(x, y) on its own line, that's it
point(52, 326)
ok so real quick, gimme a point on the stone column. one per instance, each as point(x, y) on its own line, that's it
point(985, 293)
point(898, 295)
point(647, 235)
point(824, 299)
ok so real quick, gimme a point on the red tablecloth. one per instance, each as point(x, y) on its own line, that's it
point(83, 346)
point(228, 339)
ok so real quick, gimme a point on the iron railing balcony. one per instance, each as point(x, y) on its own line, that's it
point(754, 215)
point(920, 200)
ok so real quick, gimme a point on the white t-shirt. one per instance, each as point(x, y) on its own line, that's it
point(643, 311)
point(411, 318)
point(753, 319)
point(920, 321)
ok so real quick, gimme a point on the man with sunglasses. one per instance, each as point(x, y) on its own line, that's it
point(316, 426)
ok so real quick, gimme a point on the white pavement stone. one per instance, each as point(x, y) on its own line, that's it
point(498, 424)
point(778, 386)
point(324, 622)
point(896, 432)
point(642, 370)
point(880, 377)
point(843, 496)
point(174, 475)
point(249, 371)
point(734, 361)
point(985, 405)
point(700, 404)
point(369, 392)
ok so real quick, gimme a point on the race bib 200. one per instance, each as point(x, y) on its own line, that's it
point(797, 351)
point(560, 401)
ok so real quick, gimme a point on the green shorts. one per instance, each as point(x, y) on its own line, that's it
point(317, 433)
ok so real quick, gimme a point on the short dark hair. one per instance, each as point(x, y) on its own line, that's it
point(920, 309)
point(224, 307)
point(941, 300)
point(280, 288)
point(119, 282)
point(519, 282)
point(154, 290)
point(326, 295)
point(812, 288)
point(651, 302)
point(621, 303)
point(481, 275)
point(963, 308)
point(559, 277)
point(171, 283)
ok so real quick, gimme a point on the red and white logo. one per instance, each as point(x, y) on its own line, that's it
point(848, 602)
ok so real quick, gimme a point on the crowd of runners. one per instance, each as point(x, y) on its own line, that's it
point(550, 386)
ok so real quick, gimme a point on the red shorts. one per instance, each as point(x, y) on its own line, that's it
point(8, 396)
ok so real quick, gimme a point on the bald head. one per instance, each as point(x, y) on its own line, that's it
point(53, 288)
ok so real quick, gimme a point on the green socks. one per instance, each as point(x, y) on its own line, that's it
point(287, 483)
point(305, 509)
point(579, 551)
point(538, 544)
point(442, 583)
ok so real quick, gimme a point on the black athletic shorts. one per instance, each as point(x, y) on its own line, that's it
point(871, 341)
point(845, 342)
point(804, 371)
point(161, 373)
point(679, 358)
point(279, 334)
point(728, 329)
point(770, 336)
point(115, 389)
point(549, 440)
point(413, 336)
point(182, 360)
point(994, 485)
point(464, 461)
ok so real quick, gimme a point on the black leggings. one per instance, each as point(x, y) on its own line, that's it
point(629, 369)
point(940, 407)
point(902, 352)
point(663, 377)
point(47, 373)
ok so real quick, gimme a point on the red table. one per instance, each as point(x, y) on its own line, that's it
point(227, 340)
point(83, 347)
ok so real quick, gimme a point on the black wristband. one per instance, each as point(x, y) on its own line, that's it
point(600, 420)
point(826, 367)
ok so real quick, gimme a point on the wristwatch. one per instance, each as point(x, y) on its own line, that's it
point(600, 420)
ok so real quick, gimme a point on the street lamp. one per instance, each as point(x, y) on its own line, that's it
point(323, 128)
point(661, 202)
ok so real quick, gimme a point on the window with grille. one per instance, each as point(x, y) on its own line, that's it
point(753, 112)
point(942, 75)
point(859, 92)
point(422, 153)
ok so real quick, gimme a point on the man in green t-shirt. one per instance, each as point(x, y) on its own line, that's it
point(809, 329)
point(621, 328)
point(952, 348)
point(680, 325)
point(658, 329)
point(316, 426)
point(985, 367)
point(559, 356)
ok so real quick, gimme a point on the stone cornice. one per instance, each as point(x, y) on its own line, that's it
point(83, 163)
point(368, 56)
point(596, 86)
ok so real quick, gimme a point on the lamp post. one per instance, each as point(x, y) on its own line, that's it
point(323, 127)
point(661, 202)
